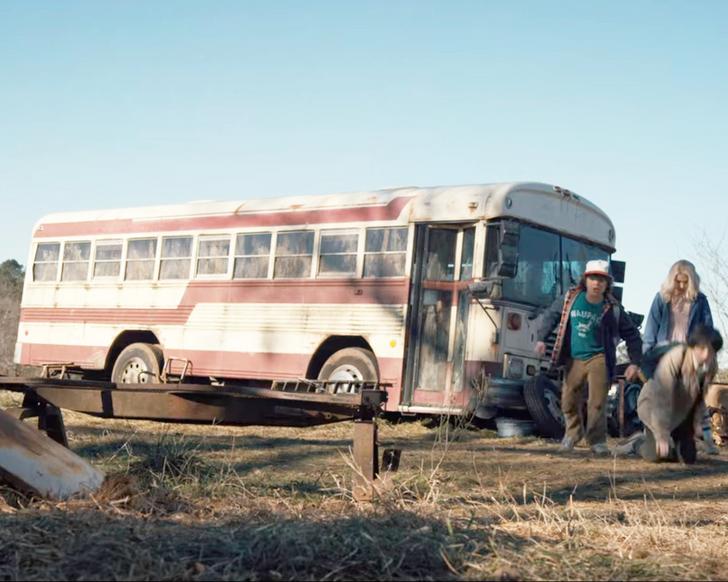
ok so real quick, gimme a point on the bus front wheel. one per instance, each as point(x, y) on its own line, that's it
point(347, 366)
point(138, 363)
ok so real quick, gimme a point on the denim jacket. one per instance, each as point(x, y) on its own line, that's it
point(658, 320)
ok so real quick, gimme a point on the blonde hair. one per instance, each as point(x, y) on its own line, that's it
point(682, 267)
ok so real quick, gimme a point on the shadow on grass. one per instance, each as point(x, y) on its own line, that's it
point(261, 545)
point(145, 444)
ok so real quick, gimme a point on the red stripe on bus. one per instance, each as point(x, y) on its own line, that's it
point(337, 291)
point(389, 211)
point(437, 398)
point(86, 356)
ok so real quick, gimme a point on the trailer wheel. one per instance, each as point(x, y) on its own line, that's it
point(138, 363)
point(347, 365)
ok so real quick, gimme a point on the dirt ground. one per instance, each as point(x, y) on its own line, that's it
point(216, 503)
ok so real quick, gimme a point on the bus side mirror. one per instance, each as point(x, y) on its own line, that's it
point(486, 288)
point(508, 249)
point(618, 268)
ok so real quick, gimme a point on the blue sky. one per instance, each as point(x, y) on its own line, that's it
point(106, 104)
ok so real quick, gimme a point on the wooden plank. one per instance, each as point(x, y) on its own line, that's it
point(32, 462)
point(365, 459)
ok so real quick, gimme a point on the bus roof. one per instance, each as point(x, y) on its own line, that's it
point(538, 203)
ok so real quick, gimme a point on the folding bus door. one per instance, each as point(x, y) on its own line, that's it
point(440, 307)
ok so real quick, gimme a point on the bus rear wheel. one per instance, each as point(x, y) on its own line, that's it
point(347, 366)
point(138, 363)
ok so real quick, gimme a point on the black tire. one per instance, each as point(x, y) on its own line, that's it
point(505, 394)
point(350, 364)
point(543, 401)
point(138, 363)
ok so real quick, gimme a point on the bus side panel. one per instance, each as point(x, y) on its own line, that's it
point(217, 326)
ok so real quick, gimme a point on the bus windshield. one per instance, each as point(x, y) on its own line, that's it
point(548, 264)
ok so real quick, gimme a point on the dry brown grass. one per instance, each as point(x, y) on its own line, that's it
point(209, 503)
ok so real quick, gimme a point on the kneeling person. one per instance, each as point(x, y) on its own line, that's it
point(671, 404)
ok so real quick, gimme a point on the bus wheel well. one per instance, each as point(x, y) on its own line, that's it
point(329, 347)
point(124, 339)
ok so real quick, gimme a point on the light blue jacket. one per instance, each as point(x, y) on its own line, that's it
point(658, 320)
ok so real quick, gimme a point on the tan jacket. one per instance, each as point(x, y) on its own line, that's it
point(673, 393)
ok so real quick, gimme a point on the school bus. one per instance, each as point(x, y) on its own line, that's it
point(358, 286)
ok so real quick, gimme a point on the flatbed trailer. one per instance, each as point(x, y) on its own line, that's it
point(286, 403)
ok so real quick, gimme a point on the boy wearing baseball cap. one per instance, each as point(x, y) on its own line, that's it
point(590, 323)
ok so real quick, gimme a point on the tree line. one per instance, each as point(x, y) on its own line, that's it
point(12, 274)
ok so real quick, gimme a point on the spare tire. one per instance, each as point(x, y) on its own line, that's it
point(543, 400)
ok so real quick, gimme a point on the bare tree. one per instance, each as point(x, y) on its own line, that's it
point(713, 270)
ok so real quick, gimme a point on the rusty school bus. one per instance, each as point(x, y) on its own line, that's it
point(360, 286)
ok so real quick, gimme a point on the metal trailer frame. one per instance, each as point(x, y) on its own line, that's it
point(287, 403)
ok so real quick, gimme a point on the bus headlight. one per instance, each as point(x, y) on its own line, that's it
point(514, 368)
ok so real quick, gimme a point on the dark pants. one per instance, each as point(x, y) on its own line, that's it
point(683, 450)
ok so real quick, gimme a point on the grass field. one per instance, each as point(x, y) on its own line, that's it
point(213, 503)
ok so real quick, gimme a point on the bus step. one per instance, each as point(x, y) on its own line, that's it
point(61, 371)
point(168, 377)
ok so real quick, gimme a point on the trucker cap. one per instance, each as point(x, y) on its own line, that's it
point(597, 268)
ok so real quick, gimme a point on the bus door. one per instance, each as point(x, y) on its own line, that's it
point(438, 321)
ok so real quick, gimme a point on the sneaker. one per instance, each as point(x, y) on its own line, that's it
point(708, 443)
point(600, 449)
point(567, 444)
point(711, 448)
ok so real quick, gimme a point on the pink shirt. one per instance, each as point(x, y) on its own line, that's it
point(680, 311)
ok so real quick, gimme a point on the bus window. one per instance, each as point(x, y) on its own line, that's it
point(140, 256)
point(338, 253)
point(45, 263)
point(440, 261)
point(466, 259)
point(251, 256)
point(76, 257)
point(212, 255)
point(384, 252)
point(492, 240)
point(107, 259)
point(294, 252)
point(574, 256)
point(539, 266)
point(176, 257)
